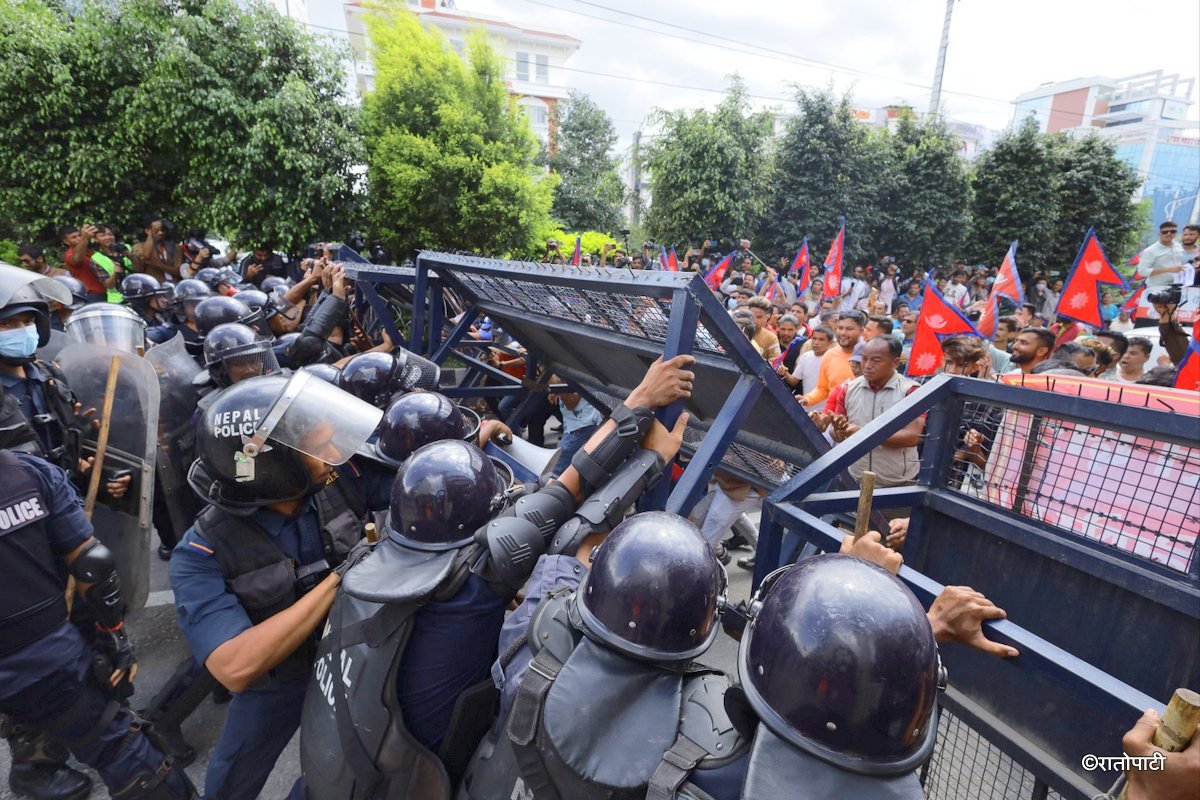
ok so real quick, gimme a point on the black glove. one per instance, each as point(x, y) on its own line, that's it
point(356, 554)
point(117, 651)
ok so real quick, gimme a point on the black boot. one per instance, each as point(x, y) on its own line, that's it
point(49, 782)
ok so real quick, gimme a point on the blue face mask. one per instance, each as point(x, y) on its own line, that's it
point(19, 342)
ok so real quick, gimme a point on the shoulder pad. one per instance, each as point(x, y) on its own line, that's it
point(705, 721)
point(551, 629)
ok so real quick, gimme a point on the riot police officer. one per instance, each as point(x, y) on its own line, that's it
point(150, 299)
point(234, 352)
point(254, 577)
point(189, 293)
point(418, 619)
point(50, 680)
point(63, 311)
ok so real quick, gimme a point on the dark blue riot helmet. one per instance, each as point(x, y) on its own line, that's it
point(259, 302)
point(234, 352)
point(654, 592)
point(375, 377)
point(416, 419)
point(140, 289)
point(839, 660)
point(326, 372)
point(442, 494)
point(270, 283)
point(189, 293)
point(77, 289)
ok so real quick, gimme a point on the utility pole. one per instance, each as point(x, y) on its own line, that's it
point(635, 180)
point(935, 98)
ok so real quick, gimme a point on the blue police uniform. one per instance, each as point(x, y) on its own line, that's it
point(262, 719)
point(48, 683)
point(30, 392)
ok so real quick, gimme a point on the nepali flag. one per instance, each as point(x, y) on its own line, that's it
point(662, 257)
point(1131, 304)
point(716, 274)
point(775, 293)
point(577, 256)
point(1188, 376)
point(1080, 299)
point(802, 264)
point(833, 264)
point(672, 261)
point(1008, 285)
point(937, 320)
point(779, 359)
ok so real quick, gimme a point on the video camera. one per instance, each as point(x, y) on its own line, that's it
point(1166, 296)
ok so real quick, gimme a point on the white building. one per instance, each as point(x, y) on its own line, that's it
point(1147, 115)
point(296, 9)
point(533, 58)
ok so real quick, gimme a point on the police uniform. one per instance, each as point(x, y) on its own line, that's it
point(47, 405)
point(218, 596)
point(46, 669)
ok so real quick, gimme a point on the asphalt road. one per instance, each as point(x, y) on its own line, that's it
point(160, 648)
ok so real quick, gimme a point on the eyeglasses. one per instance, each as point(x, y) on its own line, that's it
point(1167, 233)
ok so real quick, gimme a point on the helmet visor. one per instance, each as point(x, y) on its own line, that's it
point(108, 325)
point(319, 420)
point(249, 361)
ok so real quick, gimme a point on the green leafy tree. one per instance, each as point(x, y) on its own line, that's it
point(708, 170)
point(217, 114)
point(1016, 196)
point(590, 194)
point(450, 159)
point(1095, 190)
point(828, 165)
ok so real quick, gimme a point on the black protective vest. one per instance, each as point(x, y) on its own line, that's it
point(33, 602)
point(353, 741)
point(590, 724)
point(264, 578)
point(19, 433)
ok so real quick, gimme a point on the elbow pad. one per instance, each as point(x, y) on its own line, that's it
point(96, 566)
point(607, 506)
point(329, 313)
point(513, 542)
point(596, 467)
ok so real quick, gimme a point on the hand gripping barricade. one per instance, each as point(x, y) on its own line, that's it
point(176, 431)
point(123, 524)
point(839, 681)
point(449, 518)
point(612, 705)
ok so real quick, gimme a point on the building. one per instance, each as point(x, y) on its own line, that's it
point(972, 139)
point(534, 57)
point(1147, 116)
point(296, 9)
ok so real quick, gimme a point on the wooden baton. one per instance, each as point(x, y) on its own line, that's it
point(862, 518)
point(1178, 725)
point(110, 389)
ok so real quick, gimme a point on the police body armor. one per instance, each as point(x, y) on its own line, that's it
point(592, 724)
point(33, 603)
point(264, 579)
point(17, 432)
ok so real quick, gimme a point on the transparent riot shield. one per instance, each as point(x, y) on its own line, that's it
point(124, 523)
point(176, 435)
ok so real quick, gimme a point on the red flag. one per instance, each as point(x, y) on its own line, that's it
point(775, 293)
point(1188, 376)
point(1080, 299)
point(577, 256)
point(801, 263)
point(938, 320)
point(833, 264)
point(780, 358)
point(662, 257)
point(1131, 304)
point(1007, 284)
point(672, 261)
point(716, 274)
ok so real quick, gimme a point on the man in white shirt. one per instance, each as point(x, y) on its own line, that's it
point(1123, 323)
point(1160, 264)
point(803, 379)
point(1133, 364)
point(956, 290)
point(854, 291)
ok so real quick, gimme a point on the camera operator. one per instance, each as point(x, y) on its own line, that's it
point(1172, 335)
point(1161, 264)
point(200, 253)
point(95, 260)
point(158, 254)
point(553, 252)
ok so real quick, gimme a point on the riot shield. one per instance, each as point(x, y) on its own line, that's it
point(58, 340)
point(176, 434)
point(122, 524)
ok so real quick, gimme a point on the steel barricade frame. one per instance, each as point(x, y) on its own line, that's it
point(1085, 614)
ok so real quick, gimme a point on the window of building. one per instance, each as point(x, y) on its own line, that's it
point(538, 114)
point(543, 69)
point(522, 66)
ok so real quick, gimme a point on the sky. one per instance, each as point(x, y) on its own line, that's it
point(882, 51)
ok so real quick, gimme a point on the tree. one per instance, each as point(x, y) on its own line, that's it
point(1096, 191)
point(221, 116)
point(1016, 196)
point(827, 165)
point(590, 194)
point(708, 171)
point(926, 209)
point(450, 159)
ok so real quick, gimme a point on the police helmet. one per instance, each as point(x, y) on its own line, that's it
point(218, 309)
point(188, 293)
point(415, 419)
point(839, 660)
point(252, 440)
point(208, 276)
point(654, 592)
point(271, 282)
point(234, 352)
point(139, 289)
point(369, 377)
point(442, 494)
point(326, 372)
point(75, 286)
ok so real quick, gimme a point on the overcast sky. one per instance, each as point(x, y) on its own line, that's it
point(882, 50)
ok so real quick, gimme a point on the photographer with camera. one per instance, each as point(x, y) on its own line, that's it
point(94, 259)
point(553, 252)
point(158, 254)
point(1161, 265)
